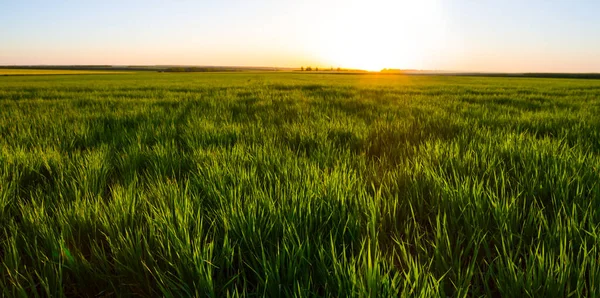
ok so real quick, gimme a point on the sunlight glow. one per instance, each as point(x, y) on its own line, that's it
point(382, 34)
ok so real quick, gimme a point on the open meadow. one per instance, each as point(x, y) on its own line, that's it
point(295, 184)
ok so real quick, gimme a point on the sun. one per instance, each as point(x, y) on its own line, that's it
point(377, 34)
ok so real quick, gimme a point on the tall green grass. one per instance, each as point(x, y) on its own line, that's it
point(255, 184)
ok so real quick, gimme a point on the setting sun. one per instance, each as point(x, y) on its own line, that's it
point(381, 34)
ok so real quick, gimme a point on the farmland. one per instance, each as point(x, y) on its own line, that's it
point(293, 184)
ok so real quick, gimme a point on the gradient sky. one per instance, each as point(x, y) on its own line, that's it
point(470, 35)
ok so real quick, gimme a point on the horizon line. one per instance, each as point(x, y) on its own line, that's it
point(391, 70)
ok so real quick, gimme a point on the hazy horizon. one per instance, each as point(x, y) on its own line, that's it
point(460, 35)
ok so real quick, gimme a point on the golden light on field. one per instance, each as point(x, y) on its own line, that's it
point(378, 34)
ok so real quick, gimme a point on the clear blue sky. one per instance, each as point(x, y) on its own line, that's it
point(527, 35)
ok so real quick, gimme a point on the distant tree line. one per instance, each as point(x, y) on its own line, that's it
point(309, 68)
point(200, 69)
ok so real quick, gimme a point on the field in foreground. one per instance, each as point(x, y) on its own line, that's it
point(299, 184)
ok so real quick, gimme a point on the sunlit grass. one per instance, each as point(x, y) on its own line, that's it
point(299, 185)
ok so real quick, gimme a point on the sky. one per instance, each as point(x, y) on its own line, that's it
point(457, 35)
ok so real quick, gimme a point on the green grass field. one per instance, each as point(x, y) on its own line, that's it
point(274, 184)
